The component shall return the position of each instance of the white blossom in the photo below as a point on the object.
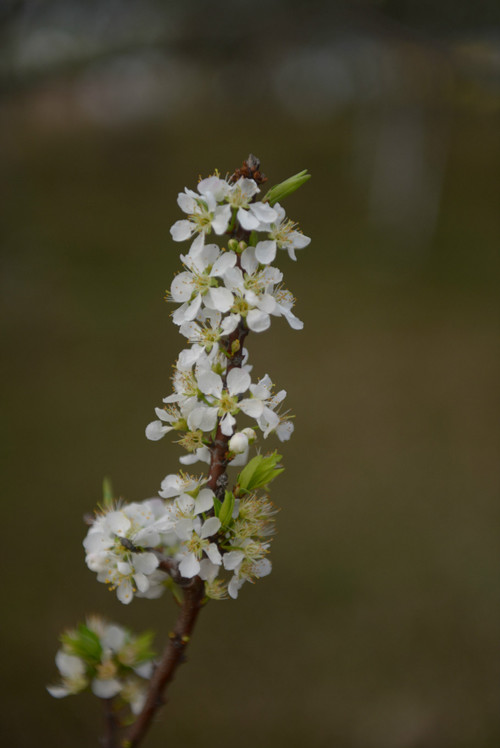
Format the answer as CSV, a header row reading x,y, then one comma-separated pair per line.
x,y
282,234
198,284
204,213
252,216
115,546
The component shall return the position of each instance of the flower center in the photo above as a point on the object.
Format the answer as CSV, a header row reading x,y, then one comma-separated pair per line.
x,y
227,403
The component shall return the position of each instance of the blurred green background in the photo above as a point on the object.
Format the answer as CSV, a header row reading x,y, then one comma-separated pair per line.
x,y
380,625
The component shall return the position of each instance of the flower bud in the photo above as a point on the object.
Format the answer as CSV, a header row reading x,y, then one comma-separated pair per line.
x,y
238,442
250,434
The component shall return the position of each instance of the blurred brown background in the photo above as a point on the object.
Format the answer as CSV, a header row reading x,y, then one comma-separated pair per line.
x,y
380,626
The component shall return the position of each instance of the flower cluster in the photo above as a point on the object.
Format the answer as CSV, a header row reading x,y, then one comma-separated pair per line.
x,y
202,536
222,292
134,547
106,658
196,527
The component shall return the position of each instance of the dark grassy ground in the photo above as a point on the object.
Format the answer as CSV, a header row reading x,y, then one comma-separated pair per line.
x,y
380,625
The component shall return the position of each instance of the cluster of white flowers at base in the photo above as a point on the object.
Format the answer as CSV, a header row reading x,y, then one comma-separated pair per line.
x,y
106,658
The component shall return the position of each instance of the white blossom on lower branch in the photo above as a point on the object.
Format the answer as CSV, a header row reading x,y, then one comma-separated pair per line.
x,y
107,659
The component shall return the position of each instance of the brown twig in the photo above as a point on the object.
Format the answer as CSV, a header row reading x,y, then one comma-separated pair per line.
x,y
172,657
110,736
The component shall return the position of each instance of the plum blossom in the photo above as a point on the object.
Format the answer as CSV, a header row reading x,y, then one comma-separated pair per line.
x,y
252,216
248,563
115,546
223,397
204,213
106,658
198,284
282,234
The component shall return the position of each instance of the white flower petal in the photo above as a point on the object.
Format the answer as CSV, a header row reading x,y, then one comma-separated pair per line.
x,y
232,559
209,383
192,309
184,529
210,527
234,587
189,566
114,637
249,262
252,407
217,186
221,219
125,592
182,287
230,323
181,230
213,554
204,500
227,424
68,665
106,689
267,303
145,562
262,567
284,431
141,582
58,692
247,220
118,523
220,299
156,430
238,381
265,252
208,570
186,203
223,263
294,322
258,321
197,245
264,212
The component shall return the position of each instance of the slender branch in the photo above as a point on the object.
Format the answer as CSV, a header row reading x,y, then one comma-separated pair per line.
x,y
172,657
109,739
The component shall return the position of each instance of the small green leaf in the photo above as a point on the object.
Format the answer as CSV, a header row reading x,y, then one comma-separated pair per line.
x,y
143,648
83,643
259,472
226,510
107,493
282,190
217,506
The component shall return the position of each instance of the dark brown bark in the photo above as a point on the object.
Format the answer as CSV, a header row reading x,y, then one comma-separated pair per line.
x,y
172,657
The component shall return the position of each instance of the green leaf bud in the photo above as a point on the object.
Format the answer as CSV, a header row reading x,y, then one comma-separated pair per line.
x,y
282,190
226,509
259,472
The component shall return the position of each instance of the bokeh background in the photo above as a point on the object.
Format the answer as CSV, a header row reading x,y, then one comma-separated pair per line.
x,y
380,626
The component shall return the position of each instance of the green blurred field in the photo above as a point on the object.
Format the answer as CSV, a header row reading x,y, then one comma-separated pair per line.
x,y
380,625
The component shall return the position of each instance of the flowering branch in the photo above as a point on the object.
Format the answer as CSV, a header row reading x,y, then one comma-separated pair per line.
x,y
199,539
